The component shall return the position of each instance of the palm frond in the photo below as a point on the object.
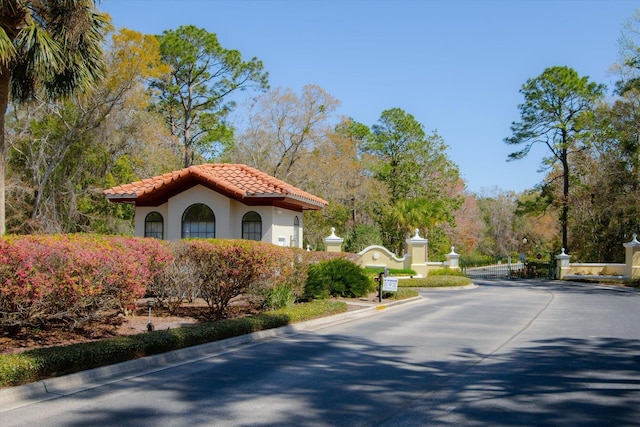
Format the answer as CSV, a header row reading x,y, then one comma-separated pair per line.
x,y
7,49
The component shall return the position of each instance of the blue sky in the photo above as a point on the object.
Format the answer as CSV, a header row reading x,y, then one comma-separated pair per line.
x,y
456,65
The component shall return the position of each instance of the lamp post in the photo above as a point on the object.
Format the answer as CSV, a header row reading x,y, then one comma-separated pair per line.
x,y
150,326
523,255
523,250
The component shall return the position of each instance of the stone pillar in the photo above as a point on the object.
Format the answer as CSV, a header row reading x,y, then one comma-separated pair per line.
x,y
562,264
333,243
453,259
417,247
632,258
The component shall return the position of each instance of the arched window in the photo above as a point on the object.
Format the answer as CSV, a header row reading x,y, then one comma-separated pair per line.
x,y
296,232
154,225
252,226
198,221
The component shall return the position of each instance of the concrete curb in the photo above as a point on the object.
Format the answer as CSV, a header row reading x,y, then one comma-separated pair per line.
x,y
15,397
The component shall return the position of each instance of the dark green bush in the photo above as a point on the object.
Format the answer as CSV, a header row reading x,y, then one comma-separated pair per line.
x,y
339,278
33,365
634,283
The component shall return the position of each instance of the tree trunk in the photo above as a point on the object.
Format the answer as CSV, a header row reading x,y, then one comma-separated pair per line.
x,y
564,216
5,80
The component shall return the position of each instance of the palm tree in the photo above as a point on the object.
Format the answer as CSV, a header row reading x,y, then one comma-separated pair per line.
x,y
49,47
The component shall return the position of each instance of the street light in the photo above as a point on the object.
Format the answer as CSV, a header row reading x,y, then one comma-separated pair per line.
x,y
150,326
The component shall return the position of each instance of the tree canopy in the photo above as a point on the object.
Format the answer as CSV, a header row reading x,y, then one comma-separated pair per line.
x,y
196,96
50,46
554,104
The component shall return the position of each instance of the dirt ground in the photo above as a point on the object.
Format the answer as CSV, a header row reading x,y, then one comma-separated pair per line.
x,y
188,313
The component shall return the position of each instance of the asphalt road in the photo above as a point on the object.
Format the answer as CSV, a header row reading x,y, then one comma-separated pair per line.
x,y
501,354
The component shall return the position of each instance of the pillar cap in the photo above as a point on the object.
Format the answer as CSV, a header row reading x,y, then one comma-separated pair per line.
x,y
633,243
416,238
563,255
332,237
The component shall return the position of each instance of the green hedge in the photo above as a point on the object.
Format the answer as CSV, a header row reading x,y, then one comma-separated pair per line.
x,y
33,365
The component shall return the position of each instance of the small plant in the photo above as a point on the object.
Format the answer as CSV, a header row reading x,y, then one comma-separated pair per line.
x,y
279,296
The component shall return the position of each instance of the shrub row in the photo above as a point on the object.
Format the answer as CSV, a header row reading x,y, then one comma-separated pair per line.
x,y
34,365
73,279
70,281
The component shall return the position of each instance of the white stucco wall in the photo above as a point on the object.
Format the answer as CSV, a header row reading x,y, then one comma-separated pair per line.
x,y
141,215
277,223
282,229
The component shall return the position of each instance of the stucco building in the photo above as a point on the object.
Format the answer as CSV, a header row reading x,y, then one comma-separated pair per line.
x,y
228,201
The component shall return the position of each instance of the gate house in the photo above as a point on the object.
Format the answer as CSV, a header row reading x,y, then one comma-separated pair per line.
x,y
228,201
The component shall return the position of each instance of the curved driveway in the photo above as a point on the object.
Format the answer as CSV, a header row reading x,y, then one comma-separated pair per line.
x,y
500,354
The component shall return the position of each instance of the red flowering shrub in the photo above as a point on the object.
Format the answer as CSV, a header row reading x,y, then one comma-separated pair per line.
x,y
73,279
226,269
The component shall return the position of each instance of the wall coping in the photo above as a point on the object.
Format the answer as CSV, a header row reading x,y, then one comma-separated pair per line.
x,y
384,250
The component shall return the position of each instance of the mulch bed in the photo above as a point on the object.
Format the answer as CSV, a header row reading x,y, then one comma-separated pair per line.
x,y
187,313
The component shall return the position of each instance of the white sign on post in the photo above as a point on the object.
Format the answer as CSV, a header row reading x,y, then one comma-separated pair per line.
x,y
390,284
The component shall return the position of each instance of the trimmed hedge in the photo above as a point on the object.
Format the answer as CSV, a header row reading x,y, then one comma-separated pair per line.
x,y
34,365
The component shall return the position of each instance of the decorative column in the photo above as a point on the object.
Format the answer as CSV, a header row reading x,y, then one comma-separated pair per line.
x,y
563,264
453,259
417,247
632,258
333,243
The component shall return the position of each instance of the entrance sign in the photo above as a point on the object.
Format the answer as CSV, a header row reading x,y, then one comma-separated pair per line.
x,y
390,284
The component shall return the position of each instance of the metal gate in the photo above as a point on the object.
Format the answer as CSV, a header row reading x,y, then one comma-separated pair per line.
x,y
509,270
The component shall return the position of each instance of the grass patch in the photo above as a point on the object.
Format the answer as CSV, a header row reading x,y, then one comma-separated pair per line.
x,y
435,282
374,271
400,294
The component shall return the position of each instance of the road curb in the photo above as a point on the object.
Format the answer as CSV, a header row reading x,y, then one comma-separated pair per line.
x,y
15,397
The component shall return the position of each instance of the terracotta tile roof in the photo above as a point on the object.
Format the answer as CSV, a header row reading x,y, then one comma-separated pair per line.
x,y
240,182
